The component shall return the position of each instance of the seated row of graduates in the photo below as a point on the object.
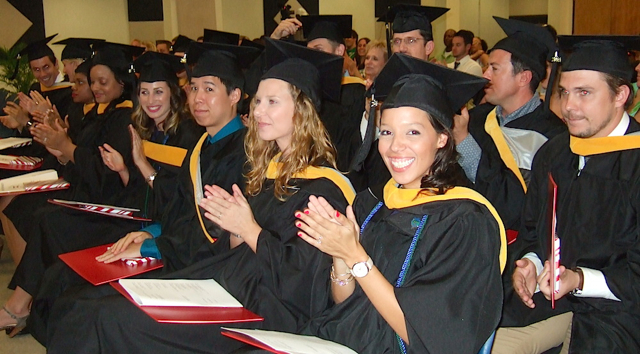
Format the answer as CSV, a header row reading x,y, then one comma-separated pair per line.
x,y
287,225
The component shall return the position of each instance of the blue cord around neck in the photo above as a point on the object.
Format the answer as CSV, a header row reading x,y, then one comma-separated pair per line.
x,y
407,259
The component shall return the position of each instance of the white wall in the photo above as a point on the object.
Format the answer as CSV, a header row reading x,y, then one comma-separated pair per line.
x,y
106,19
529,7
363,11
561,15
242,16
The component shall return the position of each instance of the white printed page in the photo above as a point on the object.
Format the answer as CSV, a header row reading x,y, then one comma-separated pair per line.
x,y
13,141
178,292
294,343
17,183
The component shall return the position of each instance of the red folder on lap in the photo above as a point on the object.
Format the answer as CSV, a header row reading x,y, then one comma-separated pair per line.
x,y
251,341
84,263
107,210
193,315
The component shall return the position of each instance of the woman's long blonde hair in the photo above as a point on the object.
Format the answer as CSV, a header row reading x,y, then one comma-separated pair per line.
x,y
145,125
310,146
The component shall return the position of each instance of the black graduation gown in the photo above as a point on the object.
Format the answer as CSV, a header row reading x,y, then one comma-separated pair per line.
x,y
598,223
286,281
451,296
494,180
183,240
88,230
343,119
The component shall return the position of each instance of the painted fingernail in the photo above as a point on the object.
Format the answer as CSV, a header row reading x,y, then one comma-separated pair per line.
x,y
337,214
298,215
300,234
298,224
306,211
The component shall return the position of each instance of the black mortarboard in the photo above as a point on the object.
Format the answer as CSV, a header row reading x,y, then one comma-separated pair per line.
x,y
34,50
223,61
250,43
77,48
220,37
407,18
181,44
115,55
317,74
531,43
606,54
154,66
332,27
410,82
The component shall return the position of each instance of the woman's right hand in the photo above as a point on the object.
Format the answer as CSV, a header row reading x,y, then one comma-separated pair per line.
x,y
112,158
137,150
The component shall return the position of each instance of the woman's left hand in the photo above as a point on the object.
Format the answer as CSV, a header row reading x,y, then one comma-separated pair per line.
x,y
231,212
339,238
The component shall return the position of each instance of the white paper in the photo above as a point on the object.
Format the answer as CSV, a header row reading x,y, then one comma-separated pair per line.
x,y
17,183
11,142
178,292
294,343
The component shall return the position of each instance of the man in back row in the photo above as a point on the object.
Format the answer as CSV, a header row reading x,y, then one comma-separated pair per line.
x,y
462,41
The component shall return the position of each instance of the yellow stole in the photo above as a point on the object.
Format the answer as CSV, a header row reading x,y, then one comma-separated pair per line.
x,y
56,86
492,127
312,172
194,168
398,198
171,155
596,146
352,80
124,104
87,108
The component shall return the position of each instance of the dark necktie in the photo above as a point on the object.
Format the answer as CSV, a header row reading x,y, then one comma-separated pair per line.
x,y
456,65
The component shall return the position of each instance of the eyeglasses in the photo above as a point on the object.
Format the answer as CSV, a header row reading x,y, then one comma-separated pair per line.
x,y
407,41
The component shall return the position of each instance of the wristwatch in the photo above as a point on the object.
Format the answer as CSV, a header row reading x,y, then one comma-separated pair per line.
x,y
578,290
361,269
151,177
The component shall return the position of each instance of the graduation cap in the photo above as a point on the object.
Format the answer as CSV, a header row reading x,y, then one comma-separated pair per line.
x,y
181,44
531,43
407,18
220,37
332,27
250,43
410,82
33,51
78,48
315,73
223,61
118,57
606,54
154,66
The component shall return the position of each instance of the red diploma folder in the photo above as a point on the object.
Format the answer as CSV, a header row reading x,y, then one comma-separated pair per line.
x,y
251,341
19,163
37,187
107,210
84,263
186,314
554,241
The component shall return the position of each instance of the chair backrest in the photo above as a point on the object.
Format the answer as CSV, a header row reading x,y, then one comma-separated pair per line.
x,y
486,348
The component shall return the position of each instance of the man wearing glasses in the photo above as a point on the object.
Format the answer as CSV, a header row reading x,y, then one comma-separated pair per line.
x,y
412,32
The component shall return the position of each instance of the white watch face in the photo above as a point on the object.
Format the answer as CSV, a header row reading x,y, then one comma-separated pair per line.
x,y
360,269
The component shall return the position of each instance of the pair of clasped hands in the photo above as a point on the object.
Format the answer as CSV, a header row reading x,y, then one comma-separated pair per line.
x,y
49,129
320,225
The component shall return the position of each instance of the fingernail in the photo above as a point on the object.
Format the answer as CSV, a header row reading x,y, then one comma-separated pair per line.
x,y
298,224
306,212
298,215
300,234
337,214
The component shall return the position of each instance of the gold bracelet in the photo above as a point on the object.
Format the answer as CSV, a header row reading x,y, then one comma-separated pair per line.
x,y
341,282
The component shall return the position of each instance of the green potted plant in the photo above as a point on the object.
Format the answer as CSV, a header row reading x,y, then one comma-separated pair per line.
x,y
24,79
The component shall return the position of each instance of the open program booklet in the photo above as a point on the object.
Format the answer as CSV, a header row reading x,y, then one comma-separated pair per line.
x,y
14,142
279,342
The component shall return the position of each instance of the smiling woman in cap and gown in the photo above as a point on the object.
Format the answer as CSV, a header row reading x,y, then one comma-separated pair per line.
x,y
416,269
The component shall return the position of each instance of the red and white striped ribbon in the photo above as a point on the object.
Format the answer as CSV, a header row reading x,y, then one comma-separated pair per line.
x,y
47,186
